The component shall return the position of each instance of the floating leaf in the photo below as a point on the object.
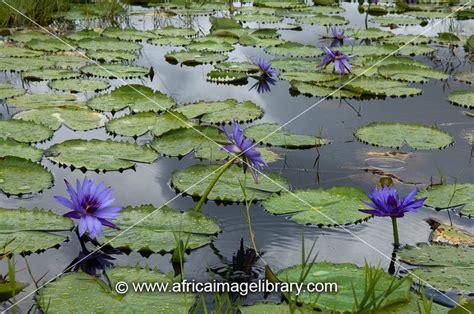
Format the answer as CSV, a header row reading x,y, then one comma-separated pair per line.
x,y
82,34
410,73
66,61
350,280
159,229
210,46
321,91
336,206
370,33
21,176
27,35
222,111
79,85
465,77
396,135
49,74
321,19
24,131
8,91
293,49
319,9
229,185
13,148
67,289
279,4
217,76
138,98
273,134
249,40
170,41
175,32
24,64
449,196
112,55
245,67
258,18
452,235
130,34
100,155
446,267
35,101
401,39
294,65
74,117
115,70
194,57
429,14
464,98
381,87
25,231
311,77
144,122
107,43
50,45
18,52
396,20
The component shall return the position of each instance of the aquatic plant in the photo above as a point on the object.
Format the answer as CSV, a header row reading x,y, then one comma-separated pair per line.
x,y
339,59
385,202
266,76
266,68
91,203
263,84
338,37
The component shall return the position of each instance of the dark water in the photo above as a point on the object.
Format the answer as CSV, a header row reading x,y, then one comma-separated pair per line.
x,y
337,164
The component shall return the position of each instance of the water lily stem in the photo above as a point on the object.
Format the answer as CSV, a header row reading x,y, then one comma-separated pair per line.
x,y
213,183
396,241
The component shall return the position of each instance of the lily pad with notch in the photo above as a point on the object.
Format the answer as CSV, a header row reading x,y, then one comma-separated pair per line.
x,y
112,55
115,70
107,43
79,85
20,176
447,196
24,131
321,19
8,91
35,101
13,148
410,73
293,49
463,98
24,64
193,58
50,74
51,44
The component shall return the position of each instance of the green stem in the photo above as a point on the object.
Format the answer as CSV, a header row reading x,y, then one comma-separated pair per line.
x,y
367,16
213,183
396,241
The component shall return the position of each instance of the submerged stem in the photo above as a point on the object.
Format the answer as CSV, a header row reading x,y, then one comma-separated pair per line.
x,y
211,186
395,232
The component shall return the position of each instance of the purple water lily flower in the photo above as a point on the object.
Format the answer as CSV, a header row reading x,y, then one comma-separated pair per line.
x,y
386,202
243,147
338,37
91,203
374,1
340,60
266,68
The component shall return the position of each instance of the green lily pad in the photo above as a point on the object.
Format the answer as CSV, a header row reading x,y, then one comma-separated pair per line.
x,y
159,229
444,267
210,46
448,38
35,101
396,20
107,43
217,39
249,40
130,34
26,231
279,4
50,74
170,41
370,33
229,77
396,135
319,9
115,70
99,155
293,49
336,206
261,307
381,87
258,18
8,91
429,14
464,98
229,186
311,77
112,55
414,50
350,279
144,122
224,111
50,45
65,291
22,150
321,91
410,73
24,131
66,61
401,39
465,77
21,176
321,19
369,50
74,117
27,35
194,57
18,52
138,98
24,64
282,137
175,32
294,65
243,67
449,196
79,85
82,34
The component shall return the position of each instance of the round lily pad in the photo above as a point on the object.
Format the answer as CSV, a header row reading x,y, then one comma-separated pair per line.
x,y
244,67
24,131
130,34
27,35
294,65
258,18
449,196
314,77
293,49
50,45
273,134
229,186
465,77
381,87
18,52
370,33
336,206
66,61
138,98
249,40
210,46
194,57
65,291
410,73
115,70
322,91
24,64
464,98
79,85
99,155
227,77
396,135
322,20
112,55
159,228
350,280
21,176
170,41
8,91
82,34
107,43
175,32
35,101
74,117
401,39
50,74
25,231
396,20
224,111
23,150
